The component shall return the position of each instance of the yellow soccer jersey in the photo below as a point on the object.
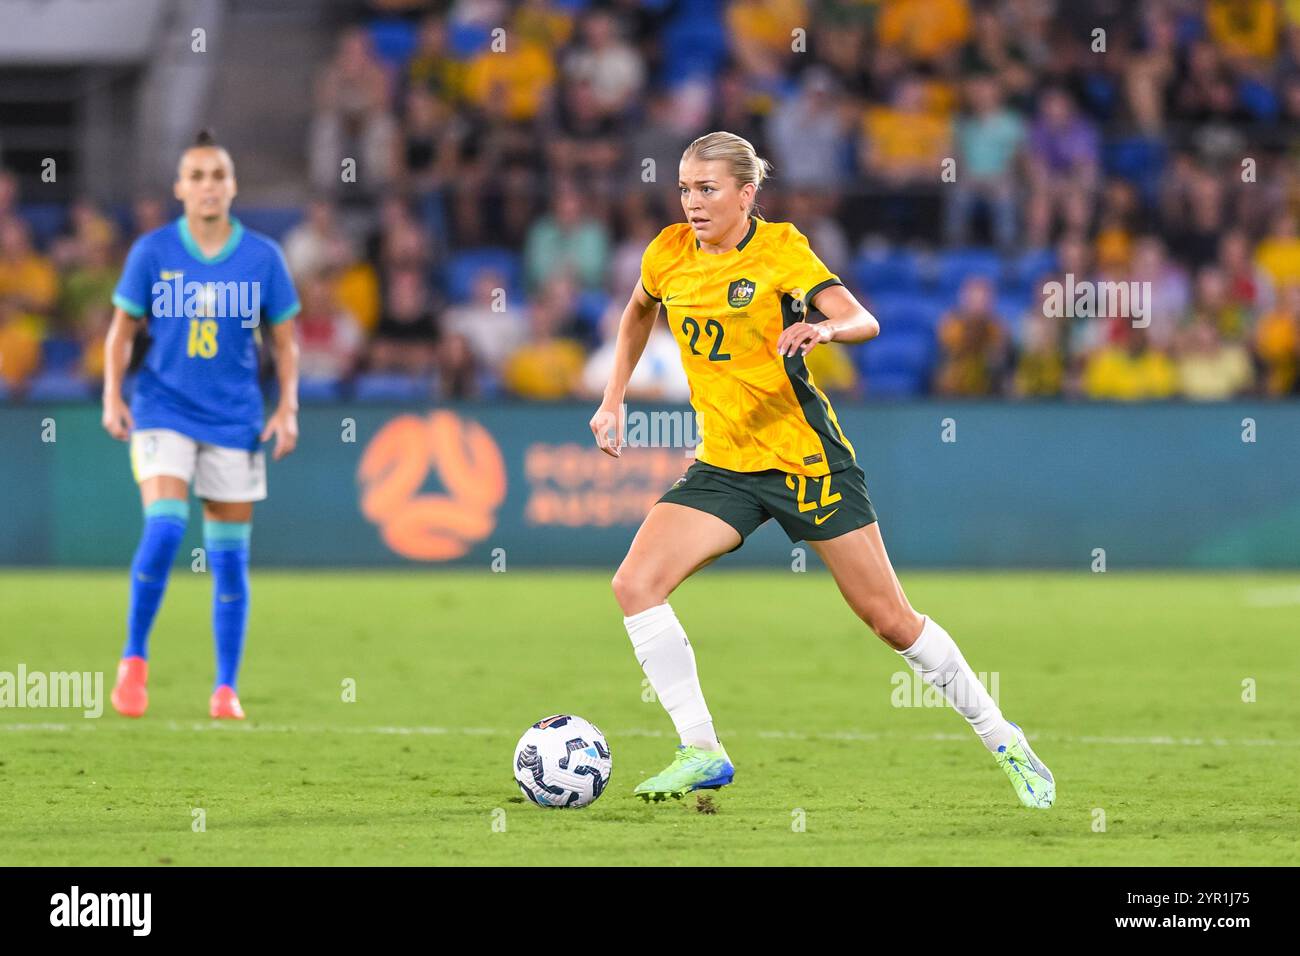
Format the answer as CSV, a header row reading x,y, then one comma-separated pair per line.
x,y
754,409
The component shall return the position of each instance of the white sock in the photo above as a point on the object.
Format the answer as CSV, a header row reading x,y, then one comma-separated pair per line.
x,y
935,657
668,660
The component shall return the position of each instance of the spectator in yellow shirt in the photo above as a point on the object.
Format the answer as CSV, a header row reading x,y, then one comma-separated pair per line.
x,y
27,278
903,143
973,344
519,78
549,365
1129,370
1210,369
20,345
1277,343
1243,28
1040,366
761,32
1279,254
926,30
432,68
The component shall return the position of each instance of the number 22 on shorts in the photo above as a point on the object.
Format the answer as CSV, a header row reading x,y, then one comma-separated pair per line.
x,y
801,488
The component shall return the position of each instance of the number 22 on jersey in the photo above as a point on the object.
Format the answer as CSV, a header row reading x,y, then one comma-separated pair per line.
x,y
713,329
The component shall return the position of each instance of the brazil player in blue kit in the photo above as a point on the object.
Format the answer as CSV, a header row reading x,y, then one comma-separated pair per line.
x,y
206,287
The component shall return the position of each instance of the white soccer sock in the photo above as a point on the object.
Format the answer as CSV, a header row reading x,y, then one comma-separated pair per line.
x,y
935,657
668,660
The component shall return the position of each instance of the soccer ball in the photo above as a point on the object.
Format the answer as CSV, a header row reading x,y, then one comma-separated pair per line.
x,y
562,761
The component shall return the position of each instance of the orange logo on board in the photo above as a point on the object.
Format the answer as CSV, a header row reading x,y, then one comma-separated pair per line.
x,y
432,526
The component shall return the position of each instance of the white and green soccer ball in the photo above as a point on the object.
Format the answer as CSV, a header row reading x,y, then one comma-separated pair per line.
x,y
563,761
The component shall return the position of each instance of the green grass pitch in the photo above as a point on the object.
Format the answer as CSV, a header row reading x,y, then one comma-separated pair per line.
x,y
1130,686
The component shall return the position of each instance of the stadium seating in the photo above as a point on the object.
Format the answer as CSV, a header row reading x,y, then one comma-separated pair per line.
x,y
59,355
694,42
897,270
394,41
388,387
895,385
955,266
591,306
1139,160
466,39
319,390
273,221
46,219
58,385
464,267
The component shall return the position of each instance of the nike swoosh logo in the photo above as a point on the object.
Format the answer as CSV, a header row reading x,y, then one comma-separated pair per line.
x,y
824,517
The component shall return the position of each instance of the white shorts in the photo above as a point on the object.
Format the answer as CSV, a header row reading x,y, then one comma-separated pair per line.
x,y
218,474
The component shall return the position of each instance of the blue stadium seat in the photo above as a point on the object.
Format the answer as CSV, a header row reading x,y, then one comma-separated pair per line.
x,y
1101,95
905,322
463,268
908,308
273,221
58,386
465,40
1258,99
957,265
694,42
895,271
1139,160
1029,267
47,220
490,385
895,385
319,390
897,352
58,355
393,40
1011,309
591,306
389,387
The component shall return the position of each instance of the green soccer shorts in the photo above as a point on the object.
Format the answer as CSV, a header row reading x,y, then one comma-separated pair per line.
x,y
808,509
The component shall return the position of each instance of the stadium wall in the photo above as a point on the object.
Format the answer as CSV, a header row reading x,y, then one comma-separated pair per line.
x,y
956,485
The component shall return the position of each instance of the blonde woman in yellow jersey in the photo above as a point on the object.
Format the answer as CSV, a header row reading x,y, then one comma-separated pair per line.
x,y
738,293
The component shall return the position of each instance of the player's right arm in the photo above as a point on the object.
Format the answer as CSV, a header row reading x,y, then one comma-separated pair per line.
x,y
633,332
130,305
117,356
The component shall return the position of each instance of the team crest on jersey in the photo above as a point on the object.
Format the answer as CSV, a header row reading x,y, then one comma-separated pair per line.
x,y
740,293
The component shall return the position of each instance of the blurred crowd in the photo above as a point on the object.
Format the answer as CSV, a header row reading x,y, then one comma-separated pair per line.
x,y
481,197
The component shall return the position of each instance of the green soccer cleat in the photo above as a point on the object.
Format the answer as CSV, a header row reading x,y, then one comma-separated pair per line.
x,y
691,769
1033,782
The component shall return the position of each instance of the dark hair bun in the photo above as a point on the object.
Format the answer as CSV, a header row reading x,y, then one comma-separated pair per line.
x,y
205,138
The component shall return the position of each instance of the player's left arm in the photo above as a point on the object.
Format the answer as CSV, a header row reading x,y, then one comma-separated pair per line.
x,y
280,305
283,424
845,321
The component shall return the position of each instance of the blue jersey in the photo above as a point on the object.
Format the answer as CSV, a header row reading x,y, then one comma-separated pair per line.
x,y
200,375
